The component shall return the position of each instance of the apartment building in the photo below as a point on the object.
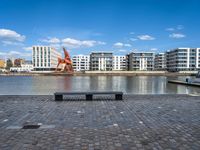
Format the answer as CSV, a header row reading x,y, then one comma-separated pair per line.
x,y
2,63
44,58
143,61
81,62
119,63
183,59
160,61
102,61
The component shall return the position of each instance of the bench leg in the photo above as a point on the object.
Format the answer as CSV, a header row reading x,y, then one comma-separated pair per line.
x,y
58,97
118,97
89,96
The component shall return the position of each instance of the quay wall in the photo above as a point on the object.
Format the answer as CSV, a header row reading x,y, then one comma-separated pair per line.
x,y
112,73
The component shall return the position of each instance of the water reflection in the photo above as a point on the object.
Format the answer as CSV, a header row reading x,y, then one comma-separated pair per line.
x,y
146,84
27,85
82,83
101,83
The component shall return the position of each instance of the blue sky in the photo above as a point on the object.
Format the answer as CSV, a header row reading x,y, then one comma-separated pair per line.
x,y
83,26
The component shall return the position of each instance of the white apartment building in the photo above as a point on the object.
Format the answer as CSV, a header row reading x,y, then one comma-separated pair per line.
x,y
81,62
23,68
143,61
101,61
45,58
119,62
160,61
183,59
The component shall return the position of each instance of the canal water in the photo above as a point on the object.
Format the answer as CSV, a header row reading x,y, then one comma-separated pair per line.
x,y
37,85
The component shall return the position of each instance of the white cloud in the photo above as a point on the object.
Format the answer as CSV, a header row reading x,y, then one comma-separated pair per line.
x,y
56,46
15,54
5,43
133,39
122,50
170,29
153,49
74,43
2,54
27,48
25,54
120,45
132,33
146,37
180,27
101,43
177,35
71,43
10,35
134,50
127,45
51,40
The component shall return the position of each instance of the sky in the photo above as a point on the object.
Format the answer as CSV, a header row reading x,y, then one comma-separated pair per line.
x,y
82,26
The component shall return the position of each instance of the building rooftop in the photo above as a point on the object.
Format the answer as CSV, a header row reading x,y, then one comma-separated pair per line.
x,y
101,52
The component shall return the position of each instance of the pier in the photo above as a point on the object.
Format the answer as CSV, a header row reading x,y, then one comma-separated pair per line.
x,y
184,83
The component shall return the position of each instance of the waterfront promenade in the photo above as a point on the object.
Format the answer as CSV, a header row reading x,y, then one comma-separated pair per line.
x,y
137,122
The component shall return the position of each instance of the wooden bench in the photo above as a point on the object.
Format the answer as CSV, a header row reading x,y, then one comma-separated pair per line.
x,y
89,95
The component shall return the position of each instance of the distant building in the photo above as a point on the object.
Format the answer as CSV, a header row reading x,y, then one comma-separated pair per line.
x,y
23,68
119,63
18,62
2,63
102,61
160,61
81,62
44,58
183,59
141,61
9,63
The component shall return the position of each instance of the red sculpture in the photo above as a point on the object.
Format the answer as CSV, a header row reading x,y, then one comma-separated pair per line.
x,y
66,62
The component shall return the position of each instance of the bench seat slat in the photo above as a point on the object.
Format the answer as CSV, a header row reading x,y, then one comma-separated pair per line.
x,y
83,93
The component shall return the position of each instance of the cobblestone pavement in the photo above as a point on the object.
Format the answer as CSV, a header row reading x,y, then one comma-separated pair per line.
x,y
137,122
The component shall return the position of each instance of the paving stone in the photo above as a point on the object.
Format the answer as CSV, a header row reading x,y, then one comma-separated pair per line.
x,y
137,122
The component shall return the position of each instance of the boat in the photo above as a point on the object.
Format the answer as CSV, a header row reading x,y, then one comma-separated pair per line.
x,y
197,79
